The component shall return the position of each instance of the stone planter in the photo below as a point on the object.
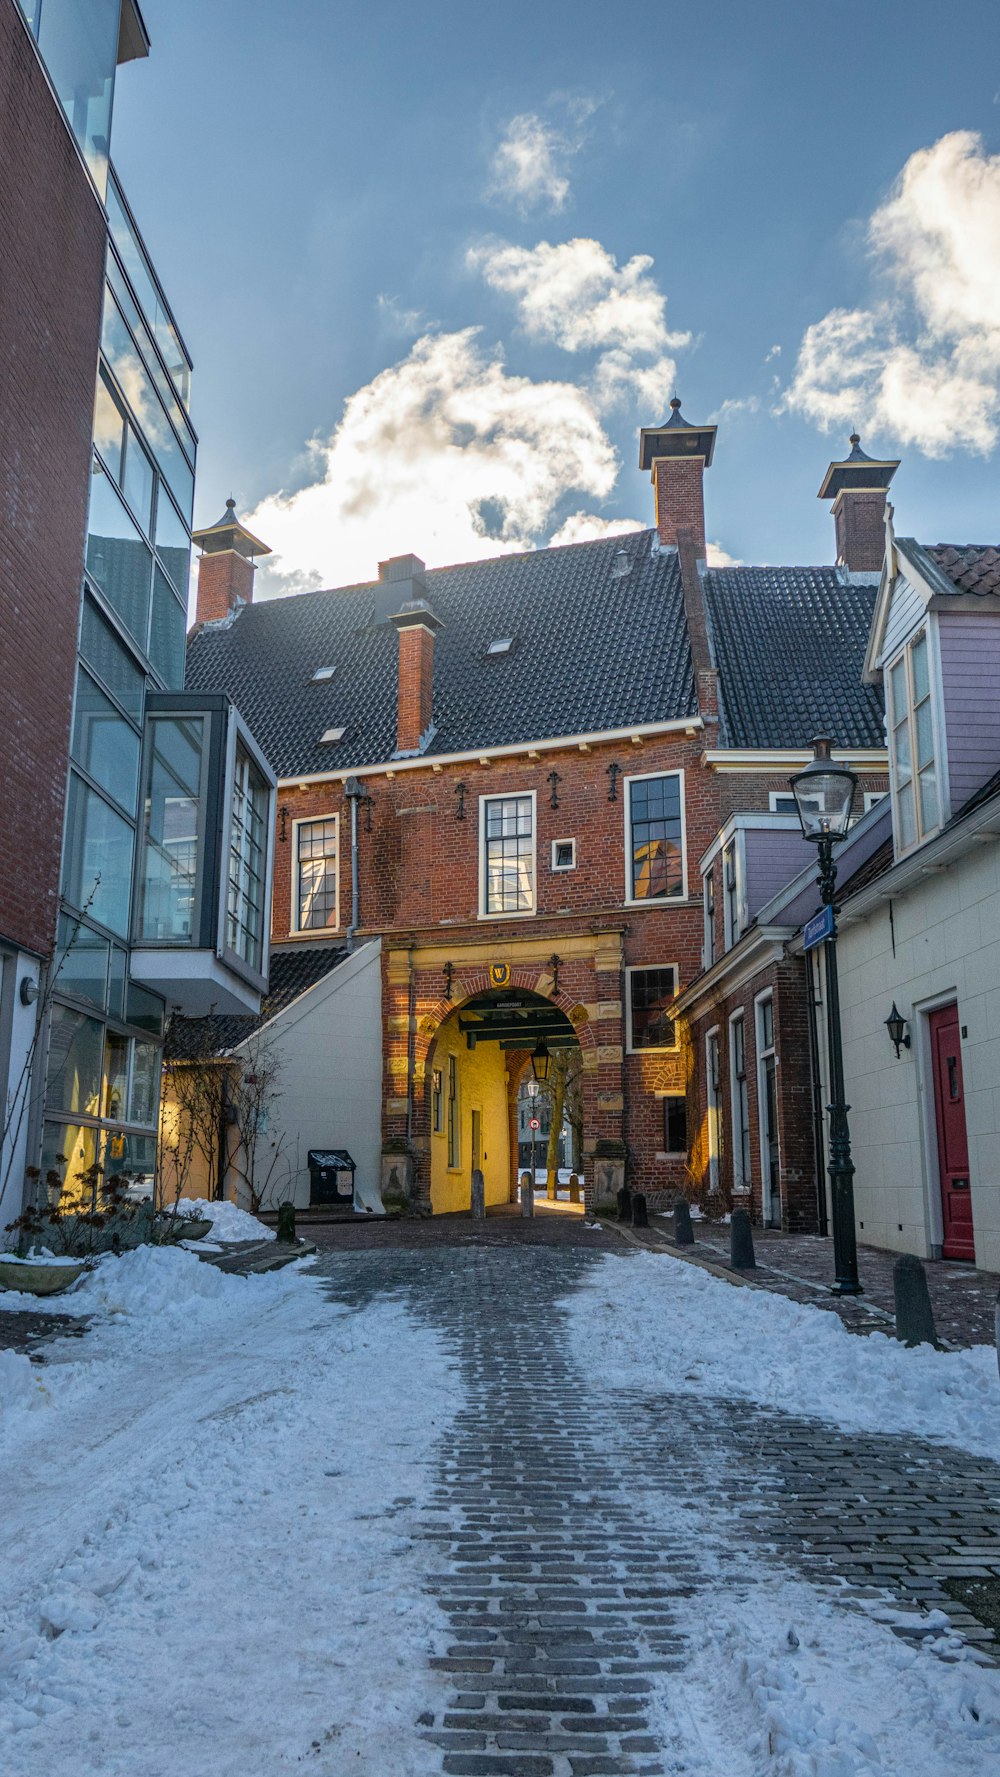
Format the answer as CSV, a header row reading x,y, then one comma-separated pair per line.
x,y
39,1280
195,1228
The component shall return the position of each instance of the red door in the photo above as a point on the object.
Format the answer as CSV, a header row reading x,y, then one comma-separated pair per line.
x,y
953,1145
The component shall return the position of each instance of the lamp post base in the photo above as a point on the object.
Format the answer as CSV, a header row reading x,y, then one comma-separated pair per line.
x,y
846,1289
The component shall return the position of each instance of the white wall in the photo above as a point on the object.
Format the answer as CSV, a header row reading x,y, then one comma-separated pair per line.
x,y
17,1079
947,947
329,1042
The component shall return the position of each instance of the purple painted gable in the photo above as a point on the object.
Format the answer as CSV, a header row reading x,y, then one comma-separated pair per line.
x,y
970,684
773,858
859,846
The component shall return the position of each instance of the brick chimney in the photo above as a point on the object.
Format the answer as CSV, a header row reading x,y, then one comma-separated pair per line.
x,y
858,486
227,567
402,580
677,456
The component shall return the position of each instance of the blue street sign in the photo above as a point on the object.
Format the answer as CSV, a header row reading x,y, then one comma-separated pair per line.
x,y
816,929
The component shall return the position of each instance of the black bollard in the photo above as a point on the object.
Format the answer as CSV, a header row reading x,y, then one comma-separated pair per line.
x,y
286,1223
914,1314
624,1204
741,1253
683,1231
639,1217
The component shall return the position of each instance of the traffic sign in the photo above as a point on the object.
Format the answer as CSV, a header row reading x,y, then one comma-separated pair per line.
x,y
535,1123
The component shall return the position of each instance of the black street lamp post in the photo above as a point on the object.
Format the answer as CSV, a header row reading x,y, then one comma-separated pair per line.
x,y
824,797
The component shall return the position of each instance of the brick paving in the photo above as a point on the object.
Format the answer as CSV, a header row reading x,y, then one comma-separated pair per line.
x,y
557,1544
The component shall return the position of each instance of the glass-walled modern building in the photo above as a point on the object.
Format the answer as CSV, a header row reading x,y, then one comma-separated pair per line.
x,y
168,833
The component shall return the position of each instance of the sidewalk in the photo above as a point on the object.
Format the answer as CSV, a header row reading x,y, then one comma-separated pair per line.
x,y
800,1266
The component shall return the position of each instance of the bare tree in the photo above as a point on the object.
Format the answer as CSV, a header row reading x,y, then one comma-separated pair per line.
x,y
196,1093
565,1072
258,1156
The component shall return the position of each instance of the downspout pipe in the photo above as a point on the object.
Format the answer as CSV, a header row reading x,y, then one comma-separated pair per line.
x,y
354,792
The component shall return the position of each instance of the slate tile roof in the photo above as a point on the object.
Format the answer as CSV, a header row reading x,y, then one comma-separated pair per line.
x,y
592,652
789,644
972,567
292,971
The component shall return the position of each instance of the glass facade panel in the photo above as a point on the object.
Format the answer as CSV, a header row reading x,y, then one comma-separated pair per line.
x,y
116,982
146,1058
657,868
109,661
118,560
143,280
316,898
97,862
76,1044
173,542
171,846
136,384
247,862
144,1010
109,428
509,843
139,481
115,1092
104,744
68,1149
79,45
652,993
83,962
167,629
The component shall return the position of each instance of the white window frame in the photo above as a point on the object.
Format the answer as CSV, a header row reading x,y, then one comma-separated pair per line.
x,y
733,909
508,796
742,1186
647,1048
904,655
776,796
294,928
452,1115
872,797
655,900
560,868
761,1000
713,1105
708,917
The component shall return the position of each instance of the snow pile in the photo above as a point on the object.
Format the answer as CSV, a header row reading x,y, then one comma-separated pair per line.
x,y
153,1280
813,1689
19,1386
726,1340
209,1553
228,1222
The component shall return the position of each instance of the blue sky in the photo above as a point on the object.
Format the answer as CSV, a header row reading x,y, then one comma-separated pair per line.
x,y
622,201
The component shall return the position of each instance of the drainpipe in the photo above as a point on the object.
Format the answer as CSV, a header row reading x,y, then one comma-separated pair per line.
x,y
813,1004
354,792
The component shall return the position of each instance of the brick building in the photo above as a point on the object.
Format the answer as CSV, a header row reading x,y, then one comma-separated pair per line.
x,y
507,775
104,896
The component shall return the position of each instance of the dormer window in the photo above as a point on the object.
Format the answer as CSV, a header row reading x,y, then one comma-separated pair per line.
x,y
913,753
322,674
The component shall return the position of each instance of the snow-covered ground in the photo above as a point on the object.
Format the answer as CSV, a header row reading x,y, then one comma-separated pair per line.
x,y
229,1223
663,1324
206,1555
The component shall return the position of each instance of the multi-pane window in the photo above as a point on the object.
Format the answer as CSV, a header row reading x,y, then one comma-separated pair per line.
x,y
914,765
655,838
247,862
508,852
740,1104
708,949
172,830
675,1123
731,895
315,907
454,1130
714,1121
436,1098
651,993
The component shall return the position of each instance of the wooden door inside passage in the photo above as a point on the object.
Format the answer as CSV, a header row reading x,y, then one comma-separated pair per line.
x,y
952,1138
772,1163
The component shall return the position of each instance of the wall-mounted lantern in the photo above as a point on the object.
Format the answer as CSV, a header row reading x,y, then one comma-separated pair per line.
x,y
540,1061
895,1024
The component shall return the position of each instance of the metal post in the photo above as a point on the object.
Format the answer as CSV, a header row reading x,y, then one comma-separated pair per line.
x,y
841,1166
532,1160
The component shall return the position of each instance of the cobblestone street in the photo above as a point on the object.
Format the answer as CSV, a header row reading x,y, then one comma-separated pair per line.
x,y
571,1533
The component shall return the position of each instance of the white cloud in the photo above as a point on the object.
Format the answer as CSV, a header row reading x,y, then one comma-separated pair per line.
x,y
717,557
575,295
529,162
585,527
775,352
445,455
923,363
397,320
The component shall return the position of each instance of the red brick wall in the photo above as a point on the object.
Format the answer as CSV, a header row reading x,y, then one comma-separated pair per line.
x,y
678,485
52,242
225,580
416,669
860,523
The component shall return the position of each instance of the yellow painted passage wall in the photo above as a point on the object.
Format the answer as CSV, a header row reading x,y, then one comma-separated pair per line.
x,y
481,1080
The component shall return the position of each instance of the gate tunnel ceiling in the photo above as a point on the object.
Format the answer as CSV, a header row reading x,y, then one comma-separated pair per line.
x,y
516,1020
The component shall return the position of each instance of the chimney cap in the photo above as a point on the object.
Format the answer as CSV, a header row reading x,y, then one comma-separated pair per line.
x,y
857,472
676,438
228,533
